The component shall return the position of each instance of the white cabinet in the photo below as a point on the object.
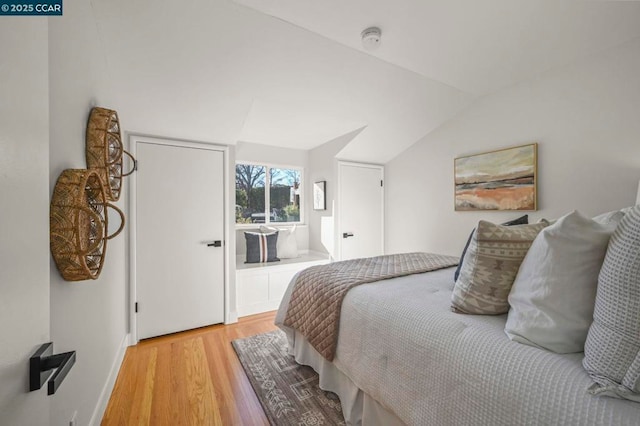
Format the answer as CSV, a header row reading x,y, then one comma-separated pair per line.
x,y
255,289
260,286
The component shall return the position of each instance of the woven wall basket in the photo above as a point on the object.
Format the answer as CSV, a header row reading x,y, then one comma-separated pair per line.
x,y
104,150
78,224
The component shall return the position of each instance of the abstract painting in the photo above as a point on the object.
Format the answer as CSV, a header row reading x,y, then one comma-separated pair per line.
x,y
497,180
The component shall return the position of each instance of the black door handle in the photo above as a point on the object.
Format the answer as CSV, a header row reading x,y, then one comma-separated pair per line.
x,y
43,362
347,234
216,243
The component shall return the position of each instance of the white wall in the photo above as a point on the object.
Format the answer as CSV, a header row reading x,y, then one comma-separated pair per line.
x,y
89,317
258,153
323,167
585,119
24,215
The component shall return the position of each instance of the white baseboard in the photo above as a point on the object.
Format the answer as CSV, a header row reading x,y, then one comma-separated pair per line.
x,y
258,308
101,406
233,317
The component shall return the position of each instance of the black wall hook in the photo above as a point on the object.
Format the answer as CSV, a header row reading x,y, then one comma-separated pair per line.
x,y
41,364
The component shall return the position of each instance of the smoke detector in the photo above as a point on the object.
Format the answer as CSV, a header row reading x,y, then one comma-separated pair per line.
x,y
371,38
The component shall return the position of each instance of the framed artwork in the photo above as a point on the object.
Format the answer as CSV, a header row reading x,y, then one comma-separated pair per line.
x,y
498,180
319,195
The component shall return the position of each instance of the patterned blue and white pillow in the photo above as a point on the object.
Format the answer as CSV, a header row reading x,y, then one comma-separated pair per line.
x,y
261,247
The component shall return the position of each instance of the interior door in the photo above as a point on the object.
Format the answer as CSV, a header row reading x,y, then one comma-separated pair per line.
x,y
360,210
24,218
179,258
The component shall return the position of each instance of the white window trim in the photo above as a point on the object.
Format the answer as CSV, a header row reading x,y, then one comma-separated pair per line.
x,y
267,193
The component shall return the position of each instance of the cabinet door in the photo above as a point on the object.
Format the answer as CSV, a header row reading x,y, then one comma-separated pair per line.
x,y
278,282
252,289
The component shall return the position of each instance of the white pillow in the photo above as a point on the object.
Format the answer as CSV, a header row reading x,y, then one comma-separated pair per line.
x,y
612,352
610,217
287,246
553,296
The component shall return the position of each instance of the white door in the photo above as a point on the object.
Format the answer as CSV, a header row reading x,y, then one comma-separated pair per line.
x,y
179,213
360,210
24,219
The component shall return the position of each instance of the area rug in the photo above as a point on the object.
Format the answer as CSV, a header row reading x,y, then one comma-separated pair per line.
x,y
288,392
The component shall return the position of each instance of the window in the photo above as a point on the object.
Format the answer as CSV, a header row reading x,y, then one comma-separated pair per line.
x,y
280,204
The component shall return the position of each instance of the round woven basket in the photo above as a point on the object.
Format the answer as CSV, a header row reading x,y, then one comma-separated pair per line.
x,y
104,150
78,224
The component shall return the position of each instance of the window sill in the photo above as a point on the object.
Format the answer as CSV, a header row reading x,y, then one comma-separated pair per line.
x,y
272,224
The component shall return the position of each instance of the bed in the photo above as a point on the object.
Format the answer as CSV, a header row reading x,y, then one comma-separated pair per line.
x,y
404,358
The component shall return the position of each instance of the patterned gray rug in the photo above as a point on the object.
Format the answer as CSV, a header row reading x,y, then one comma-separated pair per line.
x,y
288,392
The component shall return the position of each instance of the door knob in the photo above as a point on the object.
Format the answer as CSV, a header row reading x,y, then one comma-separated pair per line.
x,y
216,243
347,234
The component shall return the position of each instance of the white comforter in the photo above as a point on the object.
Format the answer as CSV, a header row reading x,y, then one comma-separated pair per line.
x,y
402,346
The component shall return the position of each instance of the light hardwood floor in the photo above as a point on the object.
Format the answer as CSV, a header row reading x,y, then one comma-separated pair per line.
x,y
190,378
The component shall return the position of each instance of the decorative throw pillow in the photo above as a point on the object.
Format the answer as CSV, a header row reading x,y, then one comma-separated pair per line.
x,y
490,266
522,220
612,350
609,217
287,243
261,247
554,292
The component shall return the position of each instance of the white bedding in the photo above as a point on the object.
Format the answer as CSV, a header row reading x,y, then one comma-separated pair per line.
x,y
401,346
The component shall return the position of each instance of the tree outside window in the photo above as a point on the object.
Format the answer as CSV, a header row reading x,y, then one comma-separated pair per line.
x,y
280,204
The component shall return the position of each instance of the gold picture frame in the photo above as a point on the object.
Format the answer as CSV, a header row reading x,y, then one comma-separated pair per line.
x,y
504,179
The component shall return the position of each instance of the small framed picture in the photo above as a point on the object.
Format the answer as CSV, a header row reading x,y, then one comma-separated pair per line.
x,y
319,196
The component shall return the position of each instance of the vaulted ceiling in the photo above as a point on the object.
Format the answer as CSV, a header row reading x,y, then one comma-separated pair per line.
x,y
293,73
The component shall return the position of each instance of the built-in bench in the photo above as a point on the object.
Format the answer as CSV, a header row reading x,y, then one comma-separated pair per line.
x,y
260,286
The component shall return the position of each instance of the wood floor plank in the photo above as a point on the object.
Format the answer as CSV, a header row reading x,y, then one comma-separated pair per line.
x,y
203,405
179,408
233,381
161,399
118,409
189,378
143,394
221,381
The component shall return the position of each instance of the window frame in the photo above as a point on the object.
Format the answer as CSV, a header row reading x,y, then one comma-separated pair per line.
x,y
267,194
